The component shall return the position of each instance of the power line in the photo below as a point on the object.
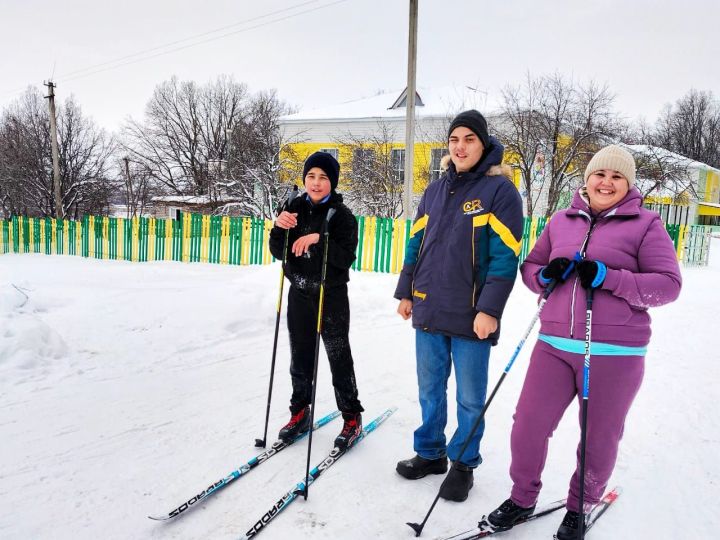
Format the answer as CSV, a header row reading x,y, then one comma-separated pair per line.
x,y
113,64
189,38
69,78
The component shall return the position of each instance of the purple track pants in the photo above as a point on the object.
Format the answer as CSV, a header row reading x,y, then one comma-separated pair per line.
x,y
553,380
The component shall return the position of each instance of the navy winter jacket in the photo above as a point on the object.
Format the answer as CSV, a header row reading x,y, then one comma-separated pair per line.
x,y
462,255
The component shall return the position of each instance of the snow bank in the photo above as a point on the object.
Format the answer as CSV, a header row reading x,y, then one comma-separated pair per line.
x,y
126,387
28,346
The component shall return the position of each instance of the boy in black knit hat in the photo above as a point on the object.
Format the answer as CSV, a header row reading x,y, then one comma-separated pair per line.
x,y
304,221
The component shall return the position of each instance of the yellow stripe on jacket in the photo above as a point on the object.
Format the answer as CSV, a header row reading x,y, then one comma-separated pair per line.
x,y
500,229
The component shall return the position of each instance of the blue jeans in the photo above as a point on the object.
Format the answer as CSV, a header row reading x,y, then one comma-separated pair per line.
x,y
435,352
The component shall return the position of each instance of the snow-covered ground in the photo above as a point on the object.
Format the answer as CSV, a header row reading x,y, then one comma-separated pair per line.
x,y
125,388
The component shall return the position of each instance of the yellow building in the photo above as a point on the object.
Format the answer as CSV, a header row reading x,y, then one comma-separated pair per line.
x,y
380,119
379,122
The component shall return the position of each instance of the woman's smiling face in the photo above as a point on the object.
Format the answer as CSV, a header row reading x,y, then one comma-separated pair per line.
x,y
606,188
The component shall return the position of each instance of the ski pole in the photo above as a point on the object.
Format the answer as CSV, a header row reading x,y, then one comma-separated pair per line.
x,y
583,424
418,527
260,443
321,300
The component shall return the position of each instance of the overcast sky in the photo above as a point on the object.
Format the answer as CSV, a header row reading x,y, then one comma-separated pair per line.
x,y
650,52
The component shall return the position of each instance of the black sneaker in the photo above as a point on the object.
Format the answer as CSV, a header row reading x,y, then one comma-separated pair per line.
x,y
419,467
569,528
458,483
507,515
299,423
350,432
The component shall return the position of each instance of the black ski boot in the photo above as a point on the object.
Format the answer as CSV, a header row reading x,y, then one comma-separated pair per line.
x,y
419,467
507,514
458,483
569,527
350,432
299,423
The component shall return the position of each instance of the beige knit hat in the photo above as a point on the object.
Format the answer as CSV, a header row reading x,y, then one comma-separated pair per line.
x,y
615,158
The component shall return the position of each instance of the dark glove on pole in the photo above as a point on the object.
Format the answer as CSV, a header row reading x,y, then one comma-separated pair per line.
x,y
555,270
591,273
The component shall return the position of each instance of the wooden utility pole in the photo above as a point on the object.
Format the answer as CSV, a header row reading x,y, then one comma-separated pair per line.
x,y
410,112
130,197
59,214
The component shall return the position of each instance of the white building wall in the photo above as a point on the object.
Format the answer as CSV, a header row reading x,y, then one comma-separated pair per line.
x,y
322,131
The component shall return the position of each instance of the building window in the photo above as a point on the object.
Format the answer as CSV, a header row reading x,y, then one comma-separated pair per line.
x,y
436,155
332,151
397,164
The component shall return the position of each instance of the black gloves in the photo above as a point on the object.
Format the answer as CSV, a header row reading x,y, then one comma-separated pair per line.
x,y
591,273
554,270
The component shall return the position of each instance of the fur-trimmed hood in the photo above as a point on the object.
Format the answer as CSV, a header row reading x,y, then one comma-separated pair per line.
x,y
496,170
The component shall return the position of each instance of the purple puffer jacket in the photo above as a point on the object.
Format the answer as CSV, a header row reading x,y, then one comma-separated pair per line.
x,y
642,270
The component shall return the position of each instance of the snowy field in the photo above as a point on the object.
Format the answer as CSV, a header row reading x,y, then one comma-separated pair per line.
x,y
126,388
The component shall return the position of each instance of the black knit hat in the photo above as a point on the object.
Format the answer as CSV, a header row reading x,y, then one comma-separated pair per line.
x,y
327,163
475,122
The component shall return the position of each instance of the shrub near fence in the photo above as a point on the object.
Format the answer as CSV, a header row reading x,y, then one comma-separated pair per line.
x,y
225,240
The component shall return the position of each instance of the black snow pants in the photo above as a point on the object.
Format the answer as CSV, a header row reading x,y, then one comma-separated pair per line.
x,y
302,325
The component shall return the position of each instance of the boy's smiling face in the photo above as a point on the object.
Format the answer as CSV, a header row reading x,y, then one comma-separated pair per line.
x,y
317,184
465,148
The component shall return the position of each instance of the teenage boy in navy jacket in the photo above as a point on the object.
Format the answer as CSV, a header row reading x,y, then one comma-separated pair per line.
x,y
460,266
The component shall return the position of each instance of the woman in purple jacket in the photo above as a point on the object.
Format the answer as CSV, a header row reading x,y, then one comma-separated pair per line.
x,y
629,261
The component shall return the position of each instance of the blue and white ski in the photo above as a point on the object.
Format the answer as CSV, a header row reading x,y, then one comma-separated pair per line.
x,y
299,488
213,488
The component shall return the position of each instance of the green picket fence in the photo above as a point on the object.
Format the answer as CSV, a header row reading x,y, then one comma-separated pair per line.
x,y
225,240
193,238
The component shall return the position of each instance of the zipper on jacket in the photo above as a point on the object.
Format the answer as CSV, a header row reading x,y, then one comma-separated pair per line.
x,y
583,249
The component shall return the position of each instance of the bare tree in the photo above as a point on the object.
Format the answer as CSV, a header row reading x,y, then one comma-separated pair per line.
x,y
85,152
261,165
550,126
25,145
137,187
658,170
26,180
374,169
662,171
692,127
185,127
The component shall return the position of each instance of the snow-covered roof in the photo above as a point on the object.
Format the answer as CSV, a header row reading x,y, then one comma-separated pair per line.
x,y
649,150
191,199
436,102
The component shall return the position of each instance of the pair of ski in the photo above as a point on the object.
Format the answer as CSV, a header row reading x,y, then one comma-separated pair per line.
x,y
297,490
485,529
